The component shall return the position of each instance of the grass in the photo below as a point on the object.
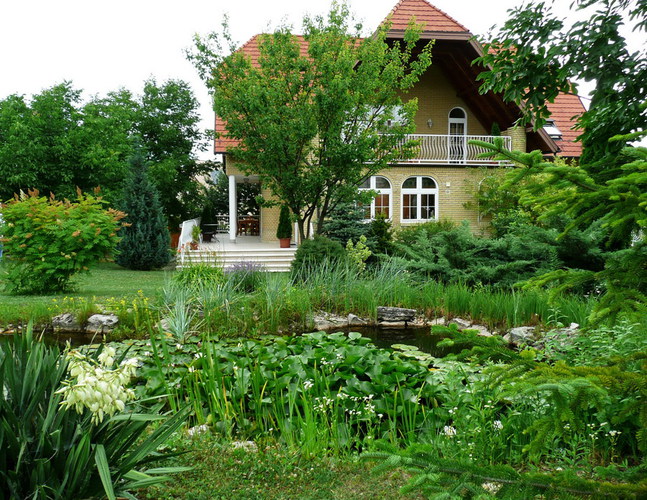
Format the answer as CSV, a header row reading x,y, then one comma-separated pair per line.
x,y
278,306
106,280
220,472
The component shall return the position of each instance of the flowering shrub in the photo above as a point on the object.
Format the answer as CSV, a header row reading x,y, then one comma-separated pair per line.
x,y
358,253
49,453
96,385
246,276
47,241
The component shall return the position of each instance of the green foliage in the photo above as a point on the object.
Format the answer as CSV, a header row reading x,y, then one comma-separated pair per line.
x,y
459,256
609,185
473,347
618,206
145,241
54,143
312,125
535,55
49,241
443,478
198,276
246,277
345,222
284,229
605,403
358,253
49,452
409,235
315,391
380,236
316,252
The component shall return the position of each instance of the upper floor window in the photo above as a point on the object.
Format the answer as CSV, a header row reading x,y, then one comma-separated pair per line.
x,y
419,199
381,204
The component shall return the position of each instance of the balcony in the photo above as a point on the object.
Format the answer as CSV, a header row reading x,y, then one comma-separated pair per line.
x,y
455,149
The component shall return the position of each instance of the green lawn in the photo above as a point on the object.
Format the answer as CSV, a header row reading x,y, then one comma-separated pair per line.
x,y
272,473
104,281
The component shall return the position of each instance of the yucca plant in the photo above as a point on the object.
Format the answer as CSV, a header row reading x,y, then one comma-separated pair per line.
x,y
49,452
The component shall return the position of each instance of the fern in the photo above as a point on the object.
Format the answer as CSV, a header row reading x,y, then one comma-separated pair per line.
x,y
576,395
438,477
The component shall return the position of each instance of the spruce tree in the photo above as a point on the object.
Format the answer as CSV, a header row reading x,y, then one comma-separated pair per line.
x,y
145,244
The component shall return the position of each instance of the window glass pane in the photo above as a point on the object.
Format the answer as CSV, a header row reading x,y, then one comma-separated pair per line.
x,y
410,206
365,185
410,183
427,210
428,182
382,183
457,113
382,205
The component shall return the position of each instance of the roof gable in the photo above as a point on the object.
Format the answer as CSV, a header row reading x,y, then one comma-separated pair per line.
x,y
434,21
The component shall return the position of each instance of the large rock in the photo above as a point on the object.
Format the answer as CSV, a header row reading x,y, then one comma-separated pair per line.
x,y
354,320
482,330
101,323
325,321
520,335
66,322
460,323
395,314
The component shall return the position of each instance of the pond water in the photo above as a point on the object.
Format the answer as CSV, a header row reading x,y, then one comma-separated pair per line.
x,y
419,337
383,337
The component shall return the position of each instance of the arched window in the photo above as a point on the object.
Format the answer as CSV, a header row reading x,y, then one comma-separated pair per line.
x,y
381,204
419,199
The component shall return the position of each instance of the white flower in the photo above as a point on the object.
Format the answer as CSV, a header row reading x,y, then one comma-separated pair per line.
x,y
93,385
307,385
497,425
449,430
491,488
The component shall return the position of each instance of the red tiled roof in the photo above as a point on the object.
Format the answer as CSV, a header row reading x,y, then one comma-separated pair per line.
x,y
565,107
432,18
563,111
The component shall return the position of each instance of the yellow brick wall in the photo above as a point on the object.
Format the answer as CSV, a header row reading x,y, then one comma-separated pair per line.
x,y
436,98
456,187
518,135
269,218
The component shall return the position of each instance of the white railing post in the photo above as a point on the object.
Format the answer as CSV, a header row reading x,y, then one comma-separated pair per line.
x,y
233,209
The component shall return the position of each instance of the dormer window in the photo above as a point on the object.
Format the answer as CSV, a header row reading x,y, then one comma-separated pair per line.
x,y
552,130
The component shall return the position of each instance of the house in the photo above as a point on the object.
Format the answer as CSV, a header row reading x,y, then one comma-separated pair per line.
x,y
441,179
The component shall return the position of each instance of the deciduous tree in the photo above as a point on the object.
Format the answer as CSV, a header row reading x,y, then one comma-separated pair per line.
x,y
314,123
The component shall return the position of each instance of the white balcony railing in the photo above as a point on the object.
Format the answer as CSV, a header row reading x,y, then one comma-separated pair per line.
x,y
454,149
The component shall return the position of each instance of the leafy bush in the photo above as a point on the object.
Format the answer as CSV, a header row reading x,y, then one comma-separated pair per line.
x,y
198,276
284,229
47,241
409,235
346,222
336,389
145,242
379,236
457,255
50,452
316,252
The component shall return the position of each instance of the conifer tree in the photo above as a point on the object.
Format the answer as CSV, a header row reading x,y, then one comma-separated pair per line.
x,y
145,243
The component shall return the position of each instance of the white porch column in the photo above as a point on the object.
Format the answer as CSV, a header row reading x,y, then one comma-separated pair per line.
x,y
233,209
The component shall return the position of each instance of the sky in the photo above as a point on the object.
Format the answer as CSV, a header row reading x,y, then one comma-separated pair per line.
x,y
103,46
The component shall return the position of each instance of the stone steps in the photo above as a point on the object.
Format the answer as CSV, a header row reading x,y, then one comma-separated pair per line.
x,y
273,260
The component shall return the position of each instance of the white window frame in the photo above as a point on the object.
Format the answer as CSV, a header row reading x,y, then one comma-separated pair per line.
x,y
380,191
418,191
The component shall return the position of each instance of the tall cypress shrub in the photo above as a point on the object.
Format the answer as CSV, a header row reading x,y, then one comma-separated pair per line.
x,y
145,244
